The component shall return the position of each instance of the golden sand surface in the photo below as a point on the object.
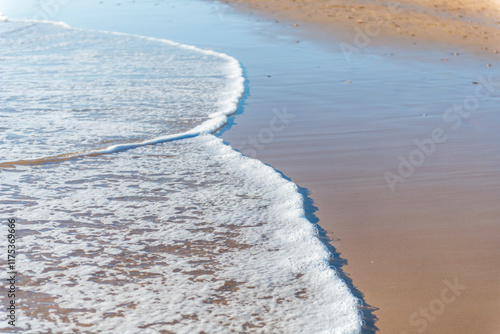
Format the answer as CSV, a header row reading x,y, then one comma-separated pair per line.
x,y
463,23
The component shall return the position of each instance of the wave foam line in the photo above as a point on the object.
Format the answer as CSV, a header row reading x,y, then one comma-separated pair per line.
x,y
210,126
228,104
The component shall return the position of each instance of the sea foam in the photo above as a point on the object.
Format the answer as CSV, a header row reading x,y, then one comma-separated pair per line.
x,y
85,90
182,236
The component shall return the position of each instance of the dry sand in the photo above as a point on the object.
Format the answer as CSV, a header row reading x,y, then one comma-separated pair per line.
x,y
466,23
441,227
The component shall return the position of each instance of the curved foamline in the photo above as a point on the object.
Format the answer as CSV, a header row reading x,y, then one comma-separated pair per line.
x,y
216,125
215,122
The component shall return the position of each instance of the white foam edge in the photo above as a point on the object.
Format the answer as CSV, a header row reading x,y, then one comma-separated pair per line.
x,y
217,120
301,231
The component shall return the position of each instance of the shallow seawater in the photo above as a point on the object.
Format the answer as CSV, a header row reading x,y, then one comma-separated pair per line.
x,y
67,89
182,236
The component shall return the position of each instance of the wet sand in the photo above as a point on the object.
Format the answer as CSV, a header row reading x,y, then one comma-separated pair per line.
x,y
350,123
426,255
440,224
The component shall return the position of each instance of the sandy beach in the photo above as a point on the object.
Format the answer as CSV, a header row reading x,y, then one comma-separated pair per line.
x,y
391,134
426,255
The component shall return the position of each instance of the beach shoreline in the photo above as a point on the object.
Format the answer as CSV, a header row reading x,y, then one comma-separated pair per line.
x,y
346,124
168,215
